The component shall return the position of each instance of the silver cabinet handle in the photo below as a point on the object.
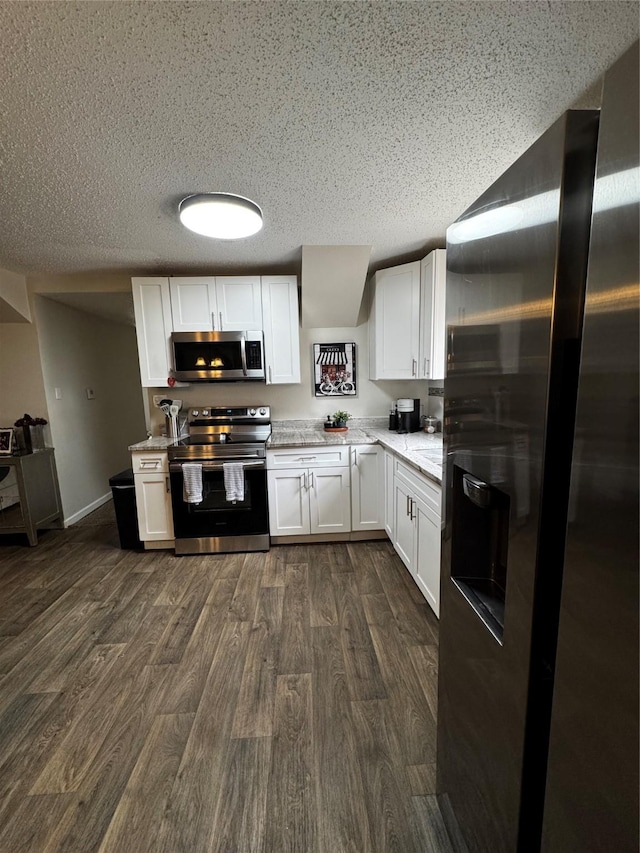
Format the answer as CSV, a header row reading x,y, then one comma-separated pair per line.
x,y
355,458
311,479
303,480
213,321
221,323
408,499
426,368
414,366
270,379
411,503
149,463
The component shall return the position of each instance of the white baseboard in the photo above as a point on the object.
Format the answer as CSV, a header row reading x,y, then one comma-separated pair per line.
x,y
72,519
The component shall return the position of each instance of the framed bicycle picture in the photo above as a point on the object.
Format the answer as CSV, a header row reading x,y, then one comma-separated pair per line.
x,y
334,370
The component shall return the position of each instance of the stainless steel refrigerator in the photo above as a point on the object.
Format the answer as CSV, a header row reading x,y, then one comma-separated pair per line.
x,y
538,696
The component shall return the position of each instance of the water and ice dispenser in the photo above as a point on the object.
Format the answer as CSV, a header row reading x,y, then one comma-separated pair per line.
x,y
479,545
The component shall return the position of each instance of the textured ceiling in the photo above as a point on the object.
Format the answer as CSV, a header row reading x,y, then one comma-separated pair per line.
x,y
349,123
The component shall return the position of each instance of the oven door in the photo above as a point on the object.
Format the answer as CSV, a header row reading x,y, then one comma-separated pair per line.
x,y
217,525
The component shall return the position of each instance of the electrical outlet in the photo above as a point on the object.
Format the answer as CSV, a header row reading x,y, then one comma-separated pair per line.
x,y
90,394
157,398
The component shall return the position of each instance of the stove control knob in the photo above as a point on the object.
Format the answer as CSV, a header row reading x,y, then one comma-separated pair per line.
x,y
194,413
252,412
263,412
205,413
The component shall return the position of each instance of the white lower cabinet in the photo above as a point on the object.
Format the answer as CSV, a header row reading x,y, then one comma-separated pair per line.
x,y
367,487
309,500
153,496
416,534
389,494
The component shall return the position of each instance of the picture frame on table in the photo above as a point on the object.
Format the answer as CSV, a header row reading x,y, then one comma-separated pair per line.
x,y
6,441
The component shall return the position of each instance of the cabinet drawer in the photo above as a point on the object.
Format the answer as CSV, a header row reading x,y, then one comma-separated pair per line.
x,y
309,457
145,461
430,493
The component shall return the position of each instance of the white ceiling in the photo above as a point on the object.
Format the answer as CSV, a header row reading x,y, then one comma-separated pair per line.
x,y
350,123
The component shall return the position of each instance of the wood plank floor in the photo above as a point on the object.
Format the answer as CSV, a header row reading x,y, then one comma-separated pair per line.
x,y
232,703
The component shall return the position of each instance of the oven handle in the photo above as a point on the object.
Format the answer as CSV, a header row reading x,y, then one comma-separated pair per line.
x,y
217,466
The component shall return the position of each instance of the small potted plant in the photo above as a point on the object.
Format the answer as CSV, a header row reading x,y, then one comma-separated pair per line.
x,y
340,419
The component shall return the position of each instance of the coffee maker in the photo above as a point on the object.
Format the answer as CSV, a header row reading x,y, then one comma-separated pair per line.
x,y
408,415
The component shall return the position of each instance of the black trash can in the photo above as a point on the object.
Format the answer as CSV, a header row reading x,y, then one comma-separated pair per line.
x,y
124,504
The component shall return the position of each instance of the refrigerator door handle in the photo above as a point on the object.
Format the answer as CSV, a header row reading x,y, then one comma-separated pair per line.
x,y
478,492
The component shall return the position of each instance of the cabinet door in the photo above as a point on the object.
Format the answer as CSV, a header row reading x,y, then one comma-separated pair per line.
x,y
389,494
396,322
329,500
433,272
288,502
281,329
152,309
153,499
404,527
193,304
428,555
239,302
367,487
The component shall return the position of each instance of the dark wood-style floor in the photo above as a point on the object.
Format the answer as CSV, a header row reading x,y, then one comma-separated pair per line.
x,y
262,702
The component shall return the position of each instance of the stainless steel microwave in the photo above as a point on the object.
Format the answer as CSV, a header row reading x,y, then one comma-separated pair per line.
x,y
218,356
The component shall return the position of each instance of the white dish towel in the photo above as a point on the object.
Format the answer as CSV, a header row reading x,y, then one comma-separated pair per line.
x,y
192,482
233,480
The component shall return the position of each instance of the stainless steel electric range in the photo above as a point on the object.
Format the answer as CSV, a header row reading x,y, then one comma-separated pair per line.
x,y
220,436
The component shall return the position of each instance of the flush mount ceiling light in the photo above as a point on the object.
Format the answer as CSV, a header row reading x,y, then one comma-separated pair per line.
x,y
221,215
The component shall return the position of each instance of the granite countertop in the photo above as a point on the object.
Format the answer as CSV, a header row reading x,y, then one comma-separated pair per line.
x,y
419,449
158,442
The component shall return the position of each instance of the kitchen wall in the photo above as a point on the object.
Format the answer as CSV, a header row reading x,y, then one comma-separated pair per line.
x,y
21,382
298,401
14,298
91,436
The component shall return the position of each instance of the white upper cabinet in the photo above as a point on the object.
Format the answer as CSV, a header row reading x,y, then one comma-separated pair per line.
x,y
216,303
433,275
394,322
281,329
239,303
407,323
193,303
152,308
